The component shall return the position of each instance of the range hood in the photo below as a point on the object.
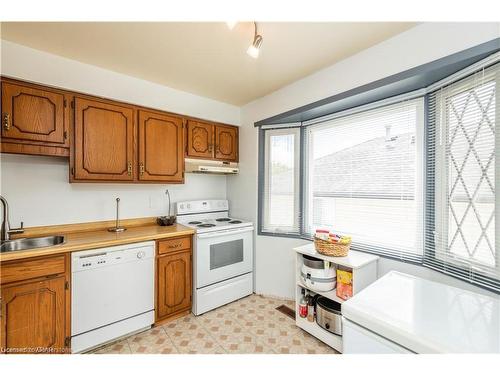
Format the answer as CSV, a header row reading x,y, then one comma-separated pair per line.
x,y
211,166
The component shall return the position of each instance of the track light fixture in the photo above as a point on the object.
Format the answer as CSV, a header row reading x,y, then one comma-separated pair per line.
x,y
254,48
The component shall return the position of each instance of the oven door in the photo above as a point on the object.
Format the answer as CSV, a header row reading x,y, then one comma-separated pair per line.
x,y
222,255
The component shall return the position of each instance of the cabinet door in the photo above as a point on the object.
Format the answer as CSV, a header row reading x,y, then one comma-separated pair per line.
x,y
104,141
226,143
174,283
199,138
161,155
33,315
33,114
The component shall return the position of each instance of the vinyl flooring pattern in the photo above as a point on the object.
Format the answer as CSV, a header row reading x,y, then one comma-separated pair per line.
x,y
251,325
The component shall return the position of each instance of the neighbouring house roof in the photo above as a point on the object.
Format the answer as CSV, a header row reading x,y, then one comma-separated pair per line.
x,y
362,170
373,168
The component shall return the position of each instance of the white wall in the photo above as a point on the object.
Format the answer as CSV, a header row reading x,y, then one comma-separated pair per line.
x,y
39,193
419,45
37,188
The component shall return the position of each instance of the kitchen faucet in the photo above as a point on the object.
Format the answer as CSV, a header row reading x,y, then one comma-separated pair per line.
x,y
6,230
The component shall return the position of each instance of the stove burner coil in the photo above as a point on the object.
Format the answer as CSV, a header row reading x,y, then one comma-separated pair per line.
x,y
205,225
223,219
235,222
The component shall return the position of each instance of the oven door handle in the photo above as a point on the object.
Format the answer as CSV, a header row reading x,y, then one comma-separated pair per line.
x,y
225,232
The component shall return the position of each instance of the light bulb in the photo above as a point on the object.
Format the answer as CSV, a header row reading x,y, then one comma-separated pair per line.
x,y
254,48
253,51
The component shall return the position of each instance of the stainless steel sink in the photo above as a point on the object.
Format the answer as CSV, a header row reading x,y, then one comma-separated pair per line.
x,y
30,243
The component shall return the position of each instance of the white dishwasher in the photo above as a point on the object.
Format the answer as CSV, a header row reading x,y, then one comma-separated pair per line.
x,y
112,293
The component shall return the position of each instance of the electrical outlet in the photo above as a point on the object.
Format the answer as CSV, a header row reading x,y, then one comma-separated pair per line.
x,y
154,202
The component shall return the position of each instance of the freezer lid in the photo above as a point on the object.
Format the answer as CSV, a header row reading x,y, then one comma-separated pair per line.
x,y
427,317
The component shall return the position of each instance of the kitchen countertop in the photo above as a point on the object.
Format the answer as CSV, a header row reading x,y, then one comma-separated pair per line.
x,y
101,238
427,317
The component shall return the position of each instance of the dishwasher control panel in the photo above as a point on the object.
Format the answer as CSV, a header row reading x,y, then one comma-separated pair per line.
x,y
103,257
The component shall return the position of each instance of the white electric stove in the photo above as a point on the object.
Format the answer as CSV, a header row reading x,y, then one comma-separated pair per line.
x,y
222,253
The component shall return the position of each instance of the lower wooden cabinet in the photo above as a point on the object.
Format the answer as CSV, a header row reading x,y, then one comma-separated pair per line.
x,y
173,284
35,316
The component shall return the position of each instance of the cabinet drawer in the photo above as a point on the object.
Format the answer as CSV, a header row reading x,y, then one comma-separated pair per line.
x,y
175,244
31,268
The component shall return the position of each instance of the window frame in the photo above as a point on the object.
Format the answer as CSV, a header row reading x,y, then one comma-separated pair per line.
x,y
263,171
441,188
436,200
415,256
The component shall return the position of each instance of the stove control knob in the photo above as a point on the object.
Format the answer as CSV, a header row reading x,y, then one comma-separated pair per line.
x,y
141,254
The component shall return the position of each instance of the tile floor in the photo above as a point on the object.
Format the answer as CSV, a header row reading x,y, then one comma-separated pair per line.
x,y
251,325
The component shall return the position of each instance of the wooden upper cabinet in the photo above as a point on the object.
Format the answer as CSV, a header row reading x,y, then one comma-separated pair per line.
x,y
174,284
34,116
103,141
107,141
206,140
200,139
226,142
161,153
34,314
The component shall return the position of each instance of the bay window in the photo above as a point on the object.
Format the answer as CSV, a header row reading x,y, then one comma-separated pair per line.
x,y
412,177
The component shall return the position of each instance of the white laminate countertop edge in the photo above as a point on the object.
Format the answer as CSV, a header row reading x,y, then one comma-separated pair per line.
x,y
427,317
354,259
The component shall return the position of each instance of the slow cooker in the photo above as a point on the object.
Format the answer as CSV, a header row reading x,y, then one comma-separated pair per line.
x,y
328,315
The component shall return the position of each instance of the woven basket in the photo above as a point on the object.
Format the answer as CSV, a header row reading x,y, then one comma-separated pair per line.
x,y
331,249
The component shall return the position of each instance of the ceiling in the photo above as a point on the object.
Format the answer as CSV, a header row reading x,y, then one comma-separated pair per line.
x,y
205,58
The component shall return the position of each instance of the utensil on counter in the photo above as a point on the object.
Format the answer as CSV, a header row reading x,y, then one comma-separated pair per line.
x,y
117,227
169,219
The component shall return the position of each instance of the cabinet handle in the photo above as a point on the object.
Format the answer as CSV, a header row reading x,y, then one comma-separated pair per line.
x,y
6,121
210,147
141,168
129,169
175,246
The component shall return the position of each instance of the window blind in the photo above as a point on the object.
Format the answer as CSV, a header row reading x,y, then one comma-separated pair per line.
x,y
281,181
462,216
364,174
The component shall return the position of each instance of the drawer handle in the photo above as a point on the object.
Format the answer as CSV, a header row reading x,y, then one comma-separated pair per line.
x,y
129,168
6,121
175,246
